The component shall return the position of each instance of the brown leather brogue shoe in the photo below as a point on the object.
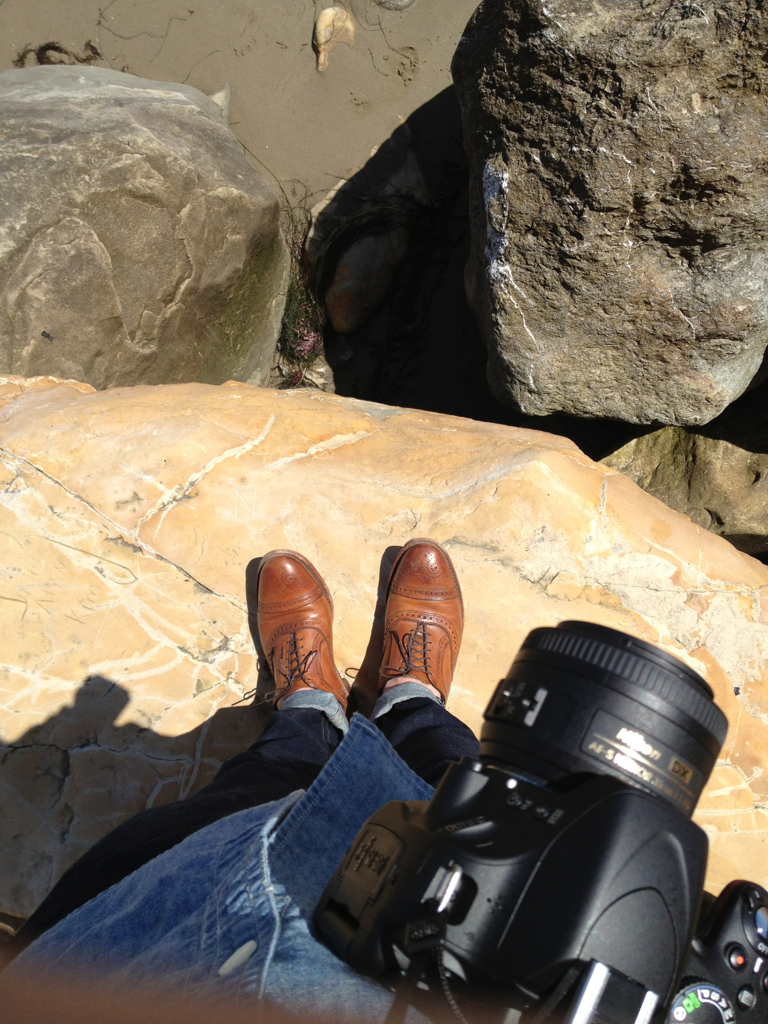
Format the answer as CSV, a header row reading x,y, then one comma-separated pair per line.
x,y
295,620
424,617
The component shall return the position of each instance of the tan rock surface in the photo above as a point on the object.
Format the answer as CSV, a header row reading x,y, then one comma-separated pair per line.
x,y
129,518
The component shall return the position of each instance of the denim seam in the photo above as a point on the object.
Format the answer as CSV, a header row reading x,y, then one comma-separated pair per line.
x,y
203,929
254,901
269,889
268,885
308,800
246,859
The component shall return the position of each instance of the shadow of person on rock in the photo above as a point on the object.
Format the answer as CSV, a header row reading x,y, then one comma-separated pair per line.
x,y
68,782
95,797
69,785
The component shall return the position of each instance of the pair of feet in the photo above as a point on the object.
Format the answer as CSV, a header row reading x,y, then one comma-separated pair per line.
x,y
423,623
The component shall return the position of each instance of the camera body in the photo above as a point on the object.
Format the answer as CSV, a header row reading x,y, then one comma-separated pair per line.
x,y
726,975
543,879
560,874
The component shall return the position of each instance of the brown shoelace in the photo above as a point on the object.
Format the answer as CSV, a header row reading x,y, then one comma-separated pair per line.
x,y
296,667
414,650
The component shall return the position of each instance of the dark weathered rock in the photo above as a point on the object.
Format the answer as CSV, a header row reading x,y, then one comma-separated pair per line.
x,y
360,231
137,245
721,487
619,264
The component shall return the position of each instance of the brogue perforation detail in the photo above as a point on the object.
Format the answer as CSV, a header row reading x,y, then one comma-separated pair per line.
x,y
448,594
424,617
290,603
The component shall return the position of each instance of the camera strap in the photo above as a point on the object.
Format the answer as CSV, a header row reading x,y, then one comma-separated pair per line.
x,y
405,992
421,941
429,1002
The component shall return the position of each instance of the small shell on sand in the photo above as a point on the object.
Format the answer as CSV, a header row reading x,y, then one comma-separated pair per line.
x,y
333,25
394,5
221,98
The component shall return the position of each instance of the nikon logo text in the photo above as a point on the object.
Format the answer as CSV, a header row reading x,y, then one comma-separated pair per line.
x,y
638,742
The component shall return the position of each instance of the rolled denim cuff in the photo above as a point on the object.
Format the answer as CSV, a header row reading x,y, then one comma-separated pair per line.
x,y
321,700
403,691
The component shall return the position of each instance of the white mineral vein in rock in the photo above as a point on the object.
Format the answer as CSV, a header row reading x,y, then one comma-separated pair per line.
x,y
495,184
175,494
338,441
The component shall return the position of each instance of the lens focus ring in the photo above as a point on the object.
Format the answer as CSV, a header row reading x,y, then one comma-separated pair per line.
x,y
655,679
580,697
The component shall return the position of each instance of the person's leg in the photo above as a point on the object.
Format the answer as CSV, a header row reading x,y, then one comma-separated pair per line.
x,y
427,736
289,755
423,626
295,615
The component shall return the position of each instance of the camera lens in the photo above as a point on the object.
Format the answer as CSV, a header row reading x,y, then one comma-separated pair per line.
x,y
585,698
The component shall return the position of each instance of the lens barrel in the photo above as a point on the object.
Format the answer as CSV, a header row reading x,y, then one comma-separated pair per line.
x,y
586,698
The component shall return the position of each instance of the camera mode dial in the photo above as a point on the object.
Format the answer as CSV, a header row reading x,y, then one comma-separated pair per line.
x,y
755,919
730,951
701,1003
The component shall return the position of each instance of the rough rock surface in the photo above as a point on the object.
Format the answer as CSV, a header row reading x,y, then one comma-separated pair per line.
x,y
721,487
619,201
137,245
124,594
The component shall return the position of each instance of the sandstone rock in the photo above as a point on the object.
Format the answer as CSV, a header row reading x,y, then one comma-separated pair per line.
x,y
127,522
136,242
618,203
721,487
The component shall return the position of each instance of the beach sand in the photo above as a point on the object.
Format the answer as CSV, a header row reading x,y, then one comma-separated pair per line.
x,y
299,125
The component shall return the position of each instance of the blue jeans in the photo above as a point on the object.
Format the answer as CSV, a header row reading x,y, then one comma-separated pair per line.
x,y
226,913
289,755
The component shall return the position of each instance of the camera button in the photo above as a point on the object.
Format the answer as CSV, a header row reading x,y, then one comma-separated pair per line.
x,y
746,998
515,799
765,983
541,812
737,958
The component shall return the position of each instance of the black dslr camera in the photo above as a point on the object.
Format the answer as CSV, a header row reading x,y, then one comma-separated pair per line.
x,y
560,876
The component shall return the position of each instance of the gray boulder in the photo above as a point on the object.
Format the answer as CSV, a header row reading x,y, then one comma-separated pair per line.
x,y
137,245
619,201
720,486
